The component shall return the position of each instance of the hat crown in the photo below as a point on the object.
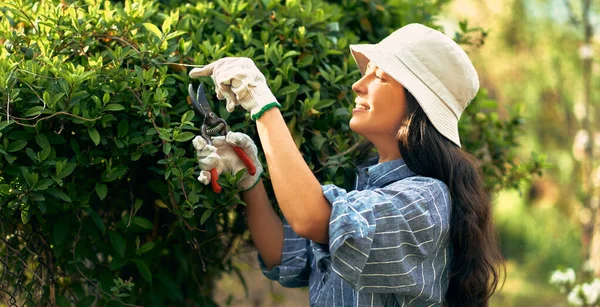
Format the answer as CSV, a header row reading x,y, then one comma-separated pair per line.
x,y
440,55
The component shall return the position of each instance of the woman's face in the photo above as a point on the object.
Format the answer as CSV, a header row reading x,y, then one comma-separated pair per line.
x,y
380,105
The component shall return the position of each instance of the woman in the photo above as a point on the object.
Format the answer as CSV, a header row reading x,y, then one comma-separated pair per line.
x,y
417,229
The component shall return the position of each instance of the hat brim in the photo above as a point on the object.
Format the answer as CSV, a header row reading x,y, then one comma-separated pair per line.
x,y
442,118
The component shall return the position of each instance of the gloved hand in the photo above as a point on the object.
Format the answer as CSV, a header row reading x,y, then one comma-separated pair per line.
x,y
239,81
222,157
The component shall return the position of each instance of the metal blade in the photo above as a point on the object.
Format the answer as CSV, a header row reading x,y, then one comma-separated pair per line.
x,y
199,99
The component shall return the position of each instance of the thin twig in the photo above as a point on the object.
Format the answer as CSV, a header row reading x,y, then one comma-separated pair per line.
x,y
572,16
8,93
30,21
37,75
59,113
38,96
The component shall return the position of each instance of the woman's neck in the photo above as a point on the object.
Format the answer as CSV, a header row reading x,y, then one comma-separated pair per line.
x,y
388,151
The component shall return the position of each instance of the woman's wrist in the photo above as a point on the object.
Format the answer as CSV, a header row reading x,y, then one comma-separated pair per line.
x,y
252,190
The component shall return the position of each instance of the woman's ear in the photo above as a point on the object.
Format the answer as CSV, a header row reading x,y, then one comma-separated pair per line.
x,y
402,132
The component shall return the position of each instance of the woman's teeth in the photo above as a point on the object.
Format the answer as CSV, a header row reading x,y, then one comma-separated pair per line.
x,y
360,106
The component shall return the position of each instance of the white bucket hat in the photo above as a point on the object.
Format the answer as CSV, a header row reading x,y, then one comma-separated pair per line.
x,y
432,67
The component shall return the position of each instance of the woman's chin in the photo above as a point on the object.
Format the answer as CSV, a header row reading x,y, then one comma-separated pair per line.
x,y
355,126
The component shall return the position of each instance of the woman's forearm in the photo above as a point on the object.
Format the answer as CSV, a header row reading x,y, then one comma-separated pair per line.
x,y
297,190
265,225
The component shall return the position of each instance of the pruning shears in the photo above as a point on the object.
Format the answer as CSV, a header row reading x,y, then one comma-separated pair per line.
x,y
213,125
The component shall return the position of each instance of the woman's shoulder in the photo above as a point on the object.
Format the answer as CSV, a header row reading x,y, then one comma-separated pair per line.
x,y
422,185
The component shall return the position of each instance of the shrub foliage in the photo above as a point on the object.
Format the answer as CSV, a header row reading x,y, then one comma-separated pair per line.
x,y
99,201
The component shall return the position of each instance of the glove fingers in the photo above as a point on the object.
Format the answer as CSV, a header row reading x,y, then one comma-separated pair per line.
x,y
236,80
229,96
218,142
219,94
205,70
199,143
209,162
204,177
242,140
205,151
230,106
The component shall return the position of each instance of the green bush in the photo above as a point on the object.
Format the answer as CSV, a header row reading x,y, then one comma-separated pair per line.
x,y
99,201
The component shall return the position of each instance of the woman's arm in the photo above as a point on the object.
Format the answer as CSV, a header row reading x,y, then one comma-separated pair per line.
x,y
265,226
298,191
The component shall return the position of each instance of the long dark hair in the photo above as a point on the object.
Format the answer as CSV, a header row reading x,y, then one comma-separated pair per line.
x,y
477,265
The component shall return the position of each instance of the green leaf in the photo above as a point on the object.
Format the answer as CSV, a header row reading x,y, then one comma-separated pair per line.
x,y
34,111
25,215
144,270
305,61
66,169
117,242
62,301
16,146
205,216
138,204
142,222
324,103
187,116
184,136
42,141
43,184
166,26
5,124
59,194
136,155
94,135
114,107
123,128
288,89
30,178
61,230
154,29
106,98
101,190
166,148
117,263
146,247
4,189
98,221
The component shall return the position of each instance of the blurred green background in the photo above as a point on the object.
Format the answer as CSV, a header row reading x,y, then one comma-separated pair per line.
x,y
530,60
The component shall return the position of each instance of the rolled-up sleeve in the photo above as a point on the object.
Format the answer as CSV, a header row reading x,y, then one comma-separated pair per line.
x,y
379,238
294,269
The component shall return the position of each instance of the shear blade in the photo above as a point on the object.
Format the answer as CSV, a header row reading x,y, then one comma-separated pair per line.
x,y
199,99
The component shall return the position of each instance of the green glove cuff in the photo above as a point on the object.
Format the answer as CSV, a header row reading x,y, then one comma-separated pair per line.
x,y
264,109
254,184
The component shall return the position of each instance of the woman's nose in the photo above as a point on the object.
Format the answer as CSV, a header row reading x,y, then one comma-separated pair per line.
x,y
359,86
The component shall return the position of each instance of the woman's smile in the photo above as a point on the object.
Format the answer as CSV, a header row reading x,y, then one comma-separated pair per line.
x,y
361,107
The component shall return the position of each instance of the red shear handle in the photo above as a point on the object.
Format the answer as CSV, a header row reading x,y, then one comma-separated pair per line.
x,y
244,157
213,180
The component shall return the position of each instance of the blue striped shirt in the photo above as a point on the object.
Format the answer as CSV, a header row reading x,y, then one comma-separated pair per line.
x,y
388,243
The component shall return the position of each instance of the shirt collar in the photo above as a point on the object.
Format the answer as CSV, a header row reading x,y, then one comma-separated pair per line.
x,y
381,174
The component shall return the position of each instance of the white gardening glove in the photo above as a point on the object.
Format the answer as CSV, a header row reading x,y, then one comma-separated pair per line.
x,y
222,156
239,81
